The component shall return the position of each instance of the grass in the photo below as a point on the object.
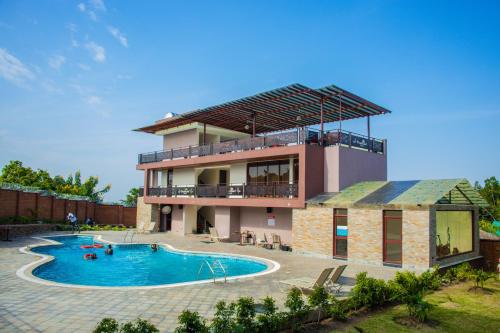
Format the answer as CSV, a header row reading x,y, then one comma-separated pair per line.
x,y
457,309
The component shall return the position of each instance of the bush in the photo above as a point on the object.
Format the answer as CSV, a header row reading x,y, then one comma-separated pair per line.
x,y
223,321
410,289
106,325
245,314
431,279
270,320
480,277
369,292
297,309
191,322
138,326
110,325
488,227
319,299
339,310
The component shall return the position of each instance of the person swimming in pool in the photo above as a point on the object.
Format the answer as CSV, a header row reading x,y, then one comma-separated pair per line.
x,y
154,247
90,256
109,250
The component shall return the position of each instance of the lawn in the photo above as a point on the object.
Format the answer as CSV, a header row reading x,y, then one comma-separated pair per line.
x,y
456,310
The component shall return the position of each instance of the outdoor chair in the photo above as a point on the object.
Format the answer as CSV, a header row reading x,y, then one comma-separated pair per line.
x,y
276,239
307,283
214,235
264,242
330,283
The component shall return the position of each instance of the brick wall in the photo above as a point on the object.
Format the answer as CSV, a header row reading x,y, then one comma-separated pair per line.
x,y
416,240
18,203
312,231
365,232
147,213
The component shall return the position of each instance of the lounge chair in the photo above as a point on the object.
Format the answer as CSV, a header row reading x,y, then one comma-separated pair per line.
x,y
214,235
150,228
264,242
276,241
330,283
307,283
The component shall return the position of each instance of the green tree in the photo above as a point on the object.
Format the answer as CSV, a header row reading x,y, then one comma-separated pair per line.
x,y
491,193
14,172
131,198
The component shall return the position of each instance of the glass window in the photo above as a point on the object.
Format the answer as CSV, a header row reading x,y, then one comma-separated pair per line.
x,y
453,232
261,173
393,230
252,174
340,233
285,172
273,173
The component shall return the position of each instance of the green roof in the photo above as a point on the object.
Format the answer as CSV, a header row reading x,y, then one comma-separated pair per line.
x,y
417,192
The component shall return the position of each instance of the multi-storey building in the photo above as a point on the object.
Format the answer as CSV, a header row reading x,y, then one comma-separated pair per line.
x,y
256,163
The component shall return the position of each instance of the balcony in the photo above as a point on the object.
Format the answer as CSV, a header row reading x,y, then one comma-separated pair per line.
x,y
299,136
255,190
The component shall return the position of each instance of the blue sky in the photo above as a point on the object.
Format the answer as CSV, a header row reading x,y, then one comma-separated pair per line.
x,y
76,77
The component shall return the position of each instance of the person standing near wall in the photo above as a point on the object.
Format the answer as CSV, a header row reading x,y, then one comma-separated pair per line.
x,y
74,222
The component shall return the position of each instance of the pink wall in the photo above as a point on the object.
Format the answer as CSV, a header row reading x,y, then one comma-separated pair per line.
x,y
255,219
181,139
227,222
345,166
177,220
314,166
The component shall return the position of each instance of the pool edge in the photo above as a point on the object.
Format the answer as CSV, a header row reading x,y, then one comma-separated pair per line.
x,y
26,271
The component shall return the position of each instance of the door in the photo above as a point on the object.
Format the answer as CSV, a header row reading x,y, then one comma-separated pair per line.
x,y
165,222
340,233
393,237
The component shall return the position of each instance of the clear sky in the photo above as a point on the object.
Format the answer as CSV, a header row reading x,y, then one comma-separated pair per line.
x,y
77,76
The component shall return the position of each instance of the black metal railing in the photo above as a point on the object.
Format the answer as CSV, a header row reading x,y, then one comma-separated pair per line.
x,y
299,136
275,190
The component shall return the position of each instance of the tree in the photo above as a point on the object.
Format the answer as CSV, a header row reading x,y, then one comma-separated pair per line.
x,y
14,172
491,193
131,198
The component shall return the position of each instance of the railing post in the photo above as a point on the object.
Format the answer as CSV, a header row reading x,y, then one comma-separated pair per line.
x,y
211,148
243,190
139,159
350,139
189,151
156,156
171,153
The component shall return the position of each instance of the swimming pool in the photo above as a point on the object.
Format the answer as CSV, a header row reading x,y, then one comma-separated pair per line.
x,y
136,265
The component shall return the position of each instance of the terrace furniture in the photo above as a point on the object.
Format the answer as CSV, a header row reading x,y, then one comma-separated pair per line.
x,y
330,283
276,239
264,242
214,235
306,283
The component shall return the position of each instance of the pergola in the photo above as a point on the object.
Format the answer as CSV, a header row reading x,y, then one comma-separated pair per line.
x,y
280,109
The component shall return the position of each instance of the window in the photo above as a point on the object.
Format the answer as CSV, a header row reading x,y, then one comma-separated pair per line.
x,y
453,233
340,233
393,236
271,172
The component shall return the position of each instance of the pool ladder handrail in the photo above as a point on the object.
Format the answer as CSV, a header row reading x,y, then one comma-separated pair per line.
x,y
216,264
131,233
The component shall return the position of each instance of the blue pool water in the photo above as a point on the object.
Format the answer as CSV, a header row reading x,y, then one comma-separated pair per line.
x,y
131,265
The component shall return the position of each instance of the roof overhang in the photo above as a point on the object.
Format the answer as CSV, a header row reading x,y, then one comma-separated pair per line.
x,y
289,107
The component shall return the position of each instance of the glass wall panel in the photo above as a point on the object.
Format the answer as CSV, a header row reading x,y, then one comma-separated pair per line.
x,y
285,171
273,173
454,232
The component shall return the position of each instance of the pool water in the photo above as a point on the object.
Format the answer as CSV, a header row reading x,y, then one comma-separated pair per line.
x,y
132,264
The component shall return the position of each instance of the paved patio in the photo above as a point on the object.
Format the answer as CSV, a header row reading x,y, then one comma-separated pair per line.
x,y
30,307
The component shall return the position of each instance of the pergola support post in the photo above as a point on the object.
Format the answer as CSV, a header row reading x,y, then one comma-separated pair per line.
x,y
321,122
204,133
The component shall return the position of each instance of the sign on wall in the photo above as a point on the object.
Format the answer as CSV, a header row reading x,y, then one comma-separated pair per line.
x,y
271,220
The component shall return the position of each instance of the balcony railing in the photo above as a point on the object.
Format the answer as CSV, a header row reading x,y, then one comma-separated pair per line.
x,y
255,190
299,136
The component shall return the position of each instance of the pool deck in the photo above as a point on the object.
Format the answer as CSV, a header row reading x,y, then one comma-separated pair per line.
x,y
31,307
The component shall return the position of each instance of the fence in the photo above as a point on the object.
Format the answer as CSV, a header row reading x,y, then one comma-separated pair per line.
x,y
50,207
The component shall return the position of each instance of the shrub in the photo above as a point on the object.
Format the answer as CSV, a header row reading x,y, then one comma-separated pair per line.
x,y
297,309
106,325
369,292
110,325
270,320
480,277
191,322
138,326
319,299
223,321
339,310
410,289
431,279
245,314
